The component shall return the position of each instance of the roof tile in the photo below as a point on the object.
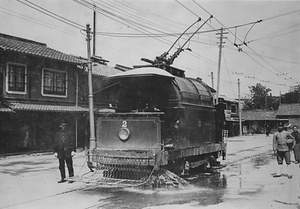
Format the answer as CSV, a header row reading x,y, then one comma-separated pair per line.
x,y
46,108
259,115
25,46
289,109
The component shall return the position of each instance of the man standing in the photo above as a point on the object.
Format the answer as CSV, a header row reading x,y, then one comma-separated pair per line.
x,y
296,149
268,129
64,150
281,149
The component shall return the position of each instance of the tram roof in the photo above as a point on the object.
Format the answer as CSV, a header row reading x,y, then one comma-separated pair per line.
x,y
192,91
145,71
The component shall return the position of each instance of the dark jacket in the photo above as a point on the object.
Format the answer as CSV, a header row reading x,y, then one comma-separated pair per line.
x,y
64,144
296,135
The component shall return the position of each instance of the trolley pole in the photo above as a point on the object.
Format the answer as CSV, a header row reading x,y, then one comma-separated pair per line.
x,y
91,101
240,109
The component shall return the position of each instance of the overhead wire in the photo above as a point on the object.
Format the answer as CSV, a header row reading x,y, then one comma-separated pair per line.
x,y
187,8
273,36
145,16
249,30
146,21
164,20
247,45
60,18
75,23
138,20
35,21
280,15
263,67
53,15
231,84
117,19
149,35
135,21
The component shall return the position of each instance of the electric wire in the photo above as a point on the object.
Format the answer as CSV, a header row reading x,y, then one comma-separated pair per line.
x,y
280,15
187,8
82,26
273,36
137,35
115,18
134,22
142,15
153,15
250,47
163,34
231,84
266,81
146,23
35,21
75,23
51,15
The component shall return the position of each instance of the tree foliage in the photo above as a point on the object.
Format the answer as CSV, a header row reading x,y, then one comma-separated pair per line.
x,y
261,98
293,96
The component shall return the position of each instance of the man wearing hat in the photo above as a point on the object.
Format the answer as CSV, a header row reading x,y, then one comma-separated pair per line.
x,y
64,150
281,147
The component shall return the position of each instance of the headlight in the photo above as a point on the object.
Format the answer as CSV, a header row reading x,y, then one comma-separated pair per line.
x,y
124,134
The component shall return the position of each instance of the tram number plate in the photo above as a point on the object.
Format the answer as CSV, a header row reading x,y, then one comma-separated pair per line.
x,y
124,124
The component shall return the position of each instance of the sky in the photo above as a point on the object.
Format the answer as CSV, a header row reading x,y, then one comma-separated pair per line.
x,y
261,38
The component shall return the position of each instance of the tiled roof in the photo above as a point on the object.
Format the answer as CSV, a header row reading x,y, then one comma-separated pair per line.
x,y
46,108
4,108
16,44
289,109
258,115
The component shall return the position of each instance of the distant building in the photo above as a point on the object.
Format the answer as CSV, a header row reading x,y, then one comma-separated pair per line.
x,y
231,115
255,121
289,113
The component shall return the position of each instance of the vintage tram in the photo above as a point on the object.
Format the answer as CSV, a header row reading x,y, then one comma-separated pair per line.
x,y
155,119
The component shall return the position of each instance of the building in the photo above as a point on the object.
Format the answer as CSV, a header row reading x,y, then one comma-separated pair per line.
x,y
290,113
231,115
40,87
255,121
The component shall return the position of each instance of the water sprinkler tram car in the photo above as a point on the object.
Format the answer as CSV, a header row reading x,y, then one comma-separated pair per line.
x,y
158,119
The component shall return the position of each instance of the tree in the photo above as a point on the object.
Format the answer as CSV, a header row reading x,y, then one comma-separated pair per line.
x,y
261,99
293,96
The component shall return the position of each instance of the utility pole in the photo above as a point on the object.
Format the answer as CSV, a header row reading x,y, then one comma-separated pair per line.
x,y
212,79
219,63
94,34
91,101
240,109
279,97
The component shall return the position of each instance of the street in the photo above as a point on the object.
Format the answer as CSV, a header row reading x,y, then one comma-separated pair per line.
x,y
30,181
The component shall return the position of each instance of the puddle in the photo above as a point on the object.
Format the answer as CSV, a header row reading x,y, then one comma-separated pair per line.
x,y
261,161
205,189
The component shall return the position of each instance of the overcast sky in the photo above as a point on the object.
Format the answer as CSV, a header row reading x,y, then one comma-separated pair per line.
x,y
128,30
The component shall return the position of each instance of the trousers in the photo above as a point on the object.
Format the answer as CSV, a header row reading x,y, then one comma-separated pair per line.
x,y
69,162
281,155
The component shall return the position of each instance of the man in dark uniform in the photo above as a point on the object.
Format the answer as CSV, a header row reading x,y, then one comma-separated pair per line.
x,y
296,148
64,150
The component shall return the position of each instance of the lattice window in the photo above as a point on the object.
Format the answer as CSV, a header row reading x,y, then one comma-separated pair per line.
x,y
54,83
16,78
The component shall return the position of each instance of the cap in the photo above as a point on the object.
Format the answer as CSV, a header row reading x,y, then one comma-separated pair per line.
x,y
63,123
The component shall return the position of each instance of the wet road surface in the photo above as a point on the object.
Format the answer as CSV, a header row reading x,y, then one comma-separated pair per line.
x,y
205,189
245,182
